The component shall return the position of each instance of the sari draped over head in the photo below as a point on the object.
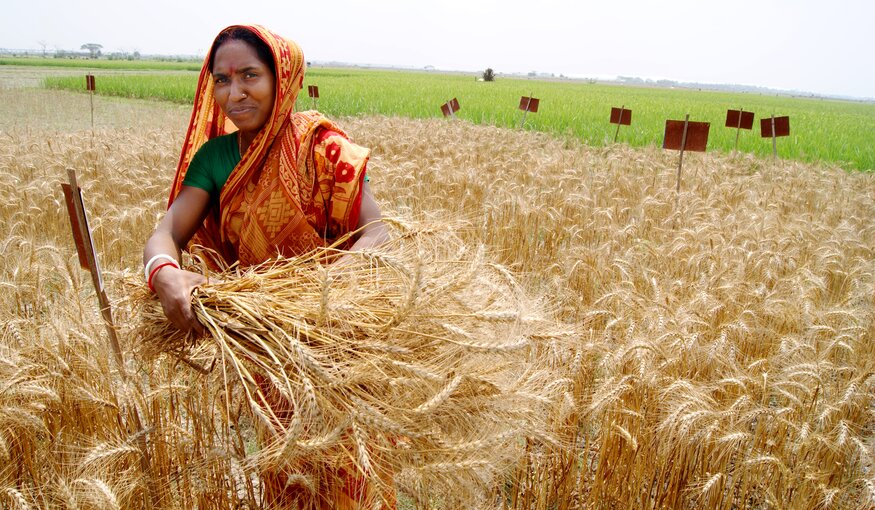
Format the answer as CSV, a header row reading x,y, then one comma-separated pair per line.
x,y
297,187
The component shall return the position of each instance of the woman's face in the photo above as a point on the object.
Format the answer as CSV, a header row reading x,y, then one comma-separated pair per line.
x,y
244,86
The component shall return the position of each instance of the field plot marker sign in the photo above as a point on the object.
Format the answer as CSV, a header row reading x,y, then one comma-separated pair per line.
x,y
683,135
775,127
90,87
739,119
88,258
313,92
528,104
450,108
621,117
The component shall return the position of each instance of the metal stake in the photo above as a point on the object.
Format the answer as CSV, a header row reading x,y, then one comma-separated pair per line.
x,y
683,146
774,140
619,121
680,166
526,112
738,129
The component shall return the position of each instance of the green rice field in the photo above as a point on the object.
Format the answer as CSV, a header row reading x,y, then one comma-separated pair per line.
x,y
827,131
120,64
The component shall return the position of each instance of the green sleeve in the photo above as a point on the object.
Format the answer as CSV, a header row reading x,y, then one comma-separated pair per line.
x,y
198,174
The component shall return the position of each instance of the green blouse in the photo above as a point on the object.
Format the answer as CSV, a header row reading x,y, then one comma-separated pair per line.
x,y
212,164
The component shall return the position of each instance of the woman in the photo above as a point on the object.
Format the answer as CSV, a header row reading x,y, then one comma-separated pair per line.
x,y
282,183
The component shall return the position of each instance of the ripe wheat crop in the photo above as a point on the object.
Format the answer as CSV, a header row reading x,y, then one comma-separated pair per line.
x,y
717,344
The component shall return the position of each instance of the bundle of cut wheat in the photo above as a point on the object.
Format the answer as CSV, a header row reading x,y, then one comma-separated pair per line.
x,y
421,360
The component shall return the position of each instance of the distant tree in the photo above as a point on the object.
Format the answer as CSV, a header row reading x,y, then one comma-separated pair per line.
x,y
43,44
488,74
93,49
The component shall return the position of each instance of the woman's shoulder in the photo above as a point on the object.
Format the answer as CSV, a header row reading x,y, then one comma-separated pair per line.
x,y
308,120
213,162
219,142
219,150
315,125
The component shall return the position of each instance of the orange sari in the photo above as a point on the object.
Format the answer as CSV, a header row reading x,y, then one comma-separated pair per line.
x,y
297,187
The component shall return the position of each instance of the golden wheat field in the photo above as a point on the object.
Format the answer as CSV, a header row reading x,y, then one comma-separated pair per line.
x,y
600,341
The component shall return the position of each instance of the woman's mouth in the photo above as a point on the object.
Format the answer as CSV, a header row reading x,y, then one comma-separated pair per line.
x,y
240,110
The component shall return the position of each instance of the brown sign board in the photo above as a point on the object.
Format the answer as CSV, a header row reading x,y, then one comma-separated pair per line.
x,y
450,107
697,135
782,127
739,119
621,116
89,82
313,91
88,258
529,104
74,224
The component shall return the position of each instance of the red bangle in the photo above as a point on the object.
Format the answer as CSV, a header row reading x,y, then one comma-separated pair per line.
x,y
156,270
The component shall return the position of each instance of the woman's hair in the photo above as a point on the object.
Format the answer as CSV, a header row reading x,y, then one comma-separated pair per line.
x,y
242,34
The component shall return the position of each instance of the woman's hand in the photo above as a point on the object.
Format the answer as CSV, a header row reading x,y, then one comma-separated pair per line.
x,y
174,288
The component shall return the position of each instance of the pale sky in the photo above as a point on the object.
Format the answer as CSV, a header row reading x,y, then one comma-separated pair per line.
x,y
818,46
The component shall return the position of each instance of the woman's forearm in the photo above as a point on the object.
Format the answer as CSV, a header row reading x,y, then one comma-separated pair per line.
x,y
160,242
179,224
372,236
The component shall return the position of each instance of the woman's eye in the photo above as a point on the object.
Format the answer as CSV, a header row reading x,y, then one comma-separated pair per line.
x,y
221,80
250,75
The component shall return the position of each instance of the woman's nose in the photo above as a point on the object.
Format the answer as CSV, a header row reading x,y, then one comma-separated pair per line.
x,y
237,91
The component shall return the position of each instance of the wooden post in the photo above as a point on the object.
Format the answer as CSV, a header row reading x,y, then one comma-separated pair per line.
x,y
90,86
94,266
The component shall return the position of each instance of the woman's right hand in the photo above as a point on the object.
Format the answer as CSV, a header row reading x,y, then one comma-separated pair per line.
x,y
174,288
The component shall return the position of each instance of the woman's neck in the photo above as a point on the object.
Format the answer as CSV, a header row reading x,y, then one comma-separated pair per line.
x,y
243,141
